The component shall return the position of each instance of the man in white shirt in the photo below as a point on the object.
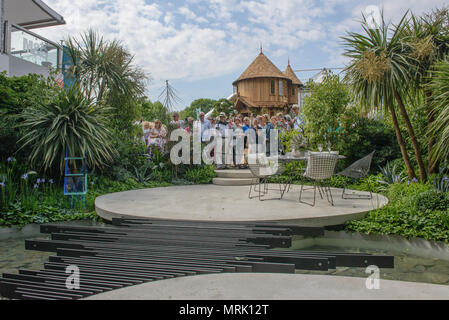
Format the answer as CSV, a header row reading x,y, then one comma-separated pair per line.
x,y
298,120
176,123
205,126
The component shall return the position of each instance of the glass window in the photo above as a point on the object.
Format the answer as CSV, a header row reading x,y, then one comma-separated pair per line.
x,y
293,91
235,89
280,87
272,86
32,49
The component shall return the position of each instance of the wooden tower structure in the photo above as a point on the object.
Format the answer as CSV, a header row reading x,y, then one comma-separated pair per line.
x,y
263,88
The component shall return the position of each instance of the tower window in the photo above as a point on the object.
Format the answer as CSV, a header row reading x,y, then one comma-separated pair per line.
x,y
272,87
280,87
293,91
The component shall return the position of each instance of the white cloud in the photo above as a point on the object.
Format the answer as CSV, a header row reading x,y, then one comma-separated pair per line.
x,y
187,13
178,42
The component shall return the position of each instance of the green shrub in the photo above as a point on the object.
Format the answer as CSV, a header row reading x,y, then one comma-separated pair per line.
x,y
200,175
365,136
432,200
414,210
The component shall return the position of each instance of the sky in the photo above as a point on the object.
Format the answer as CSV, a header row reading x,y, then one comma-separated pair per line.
x,y
202,46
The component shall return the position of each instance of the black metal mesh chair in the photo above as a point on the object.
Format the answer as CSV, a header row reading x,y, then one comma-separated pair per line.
x,y
320,167
356,171
261,168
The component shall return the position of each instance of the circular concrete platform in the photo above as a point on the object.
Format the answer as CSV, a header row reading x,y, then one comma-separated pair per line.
x,y
231,204
273,286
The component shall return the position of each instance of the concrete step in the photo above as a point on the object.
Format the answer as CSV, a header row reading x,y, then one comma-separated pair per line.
x,y
234,173
232,181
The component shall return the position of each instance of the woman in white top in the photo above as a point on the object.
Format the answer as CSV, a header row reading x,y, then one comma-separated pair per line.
x,y
157,136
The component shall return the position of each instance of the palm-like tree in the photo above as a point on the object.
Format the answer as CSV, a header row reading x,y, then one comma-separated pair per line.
x,y
378,73
428,41
104,67
70,122
439,85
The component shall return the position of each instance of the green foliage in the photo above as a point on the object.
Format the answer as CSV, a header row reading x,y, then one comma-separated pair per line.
x,y
440,129
325,110
287,139
154,110
432,200
205,105
440,183
201,175
391,174
414,210
223,105
131,153
17,94
70,121
365,135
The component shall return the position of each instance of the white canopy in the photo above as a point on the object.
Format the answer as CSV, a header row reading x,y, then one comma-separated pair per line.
x,y
31,14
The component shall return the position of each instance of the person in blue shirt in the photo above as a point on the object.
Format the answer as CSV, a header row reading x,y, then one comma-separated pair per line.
x,y
246,124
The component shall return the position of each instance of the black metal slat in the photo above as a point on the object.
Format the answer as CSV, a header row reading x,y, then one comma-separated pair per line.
x,y
135,250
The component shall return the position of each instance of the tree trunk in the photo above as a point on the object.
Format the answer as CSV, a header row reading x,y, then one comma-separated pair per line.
x,y
411,132
410,170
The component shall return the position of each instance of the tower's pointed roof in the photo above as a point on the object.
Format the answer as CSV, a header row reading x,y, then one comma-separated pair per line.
x,y
261,67
291,75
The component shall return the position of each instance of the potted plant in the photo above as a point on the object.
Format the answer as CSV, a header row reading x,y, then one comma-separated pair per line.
x,y
299,145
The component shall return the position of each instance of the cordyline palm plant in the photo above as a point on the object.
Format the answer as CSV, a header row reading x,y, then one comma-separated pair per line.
x,y
69,122
428,41
439,85
101,67
379,72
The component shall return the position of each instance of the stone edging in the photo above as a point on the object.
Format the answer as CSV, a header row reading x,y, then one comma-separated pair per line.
x,y
413,246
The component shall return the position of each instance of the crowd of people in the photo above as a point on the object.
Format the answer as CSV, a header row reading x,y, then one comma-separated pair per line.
x,y
253,127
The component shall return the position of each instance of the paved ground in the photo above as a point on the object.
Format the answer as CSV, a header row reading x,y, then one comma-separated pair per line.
x,y
223,203
252,286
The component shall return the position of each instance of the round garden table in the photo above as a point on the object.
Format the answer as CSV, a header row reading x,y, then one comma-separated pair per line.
x,y
290,157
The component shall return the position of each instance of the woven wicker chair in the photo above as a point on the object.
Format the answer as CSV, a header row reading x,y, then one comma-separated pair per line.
x,y
320,166
356,171
262,169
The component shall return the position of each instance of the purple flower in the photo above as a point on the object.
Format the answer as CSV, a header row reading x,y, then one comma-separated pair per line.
x,y
2,184
408,182
51,181
25,176
92,183
43,180
38,180
397,178
9,159
445,178
35,186
414,180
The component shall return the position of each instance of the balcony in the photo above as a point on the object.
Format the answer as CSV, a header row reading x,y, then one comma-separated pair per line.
x,y
21,50
30,53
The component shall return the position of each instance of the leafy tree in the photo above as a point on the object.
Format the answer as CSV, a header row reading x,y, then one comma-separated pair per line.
x,y
223,105
325,110
205,105
17,94
154,110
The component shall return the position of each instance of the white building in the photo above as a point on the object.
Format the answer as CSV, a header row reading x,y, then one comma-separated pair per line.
x,y
23,51
317,78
